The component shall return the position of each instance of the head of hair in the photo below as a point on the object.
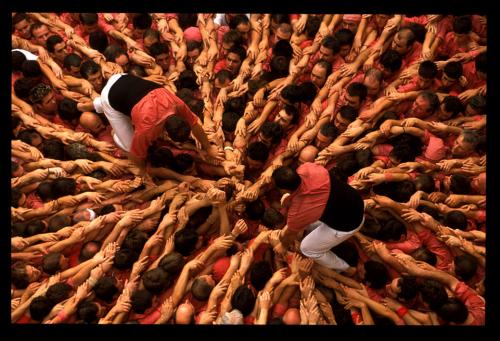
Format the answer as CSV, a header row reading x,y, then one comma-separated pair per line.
x,y
160,157
185,241
433,293
404,190
433,212
113,51
187,20
424,182
159,48
88,18
283,48
456,220
254,209
392,230
364,158
424,255
477,102
272,218
87,312
309,91
332,43
391,60
453,105
28,136
243,299
344,36
201,289
229,121
235,104
31,69
141,300
177,128
18,17
18,58
52,41
23,86
34,227
432,98
223,75
182,163
19,276
156,280
198,217
481,63
98,40
272,130
53,149
88,68
329,130
17,229
68,110
88,250
137,70
63,186
453,310
44,191
286,178
312,26
292,93
418,30
409,288
357,89
349,113
465,266
427,69
192,45
38,92
460,184
125,258
187,79
58,292
232,36
40,307
239,50
142,21
453,70
376,274
72,59
172,263
135,240
50,263
462,24
408,35
258,151
105,288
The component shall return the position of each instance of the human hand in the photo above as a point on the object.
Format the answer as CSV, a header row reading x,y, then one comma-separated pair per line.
x,y
240,227
436,197
453,200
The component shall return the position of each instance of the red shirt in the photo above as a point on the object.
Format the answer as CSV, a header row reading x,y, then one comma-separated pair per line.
x,y
412,55
308,202
410,244
475,303
443,255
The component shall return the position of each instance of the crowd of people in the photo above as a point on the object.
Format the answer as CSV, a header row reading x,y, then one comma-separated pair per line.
x,y
192,168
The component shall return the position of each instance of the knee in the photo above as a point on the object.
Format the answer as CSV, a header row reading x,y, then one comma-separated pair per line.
x,y
308,251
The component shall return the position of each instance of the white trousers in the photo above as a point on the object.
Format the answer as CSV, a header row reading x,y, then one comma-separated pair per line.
x,y
317,244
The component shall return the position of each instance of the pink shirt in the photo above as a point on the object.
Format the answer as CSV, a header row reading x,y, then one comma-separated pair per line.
x,y
410,244
475,303
443,255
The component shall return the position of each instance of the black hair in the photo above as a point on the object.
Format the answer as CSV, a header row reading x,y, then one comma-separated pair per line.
x,y
312,26
50,263
72,59
255,209
481,63
182,162
63,186
52,41
141,300
88,18
53,149
330,42
478,102
201,289
292,111
453,105
23,86
404,191
465,266
135,240
187,79
348,252
28,135
460,184
98,40
229,121
283,48
243,299
15,196
427,69
235,104
433,293
185,241
344,36
105,288
198,217
462,24
223,75
87,312
309,91
137,70
151,33
357,89
40,307
113,51
272,218
409,288
286,178
68,110
329,130
433,212
424,182
31,68
232,36
160,157
187,20
258,151
291,93
89,67
107,209
58,292
159,48
88,250
19,276
392,230
192,45
237,19
391,60
18,59
18,17
44,191
239,50
17,229
260,273
453,310
349,113
456,220
125,259
425,255
177,128
407,34
142,21
418,30
172,263
34,227
156,280
272,130
376,274
363,157
453,70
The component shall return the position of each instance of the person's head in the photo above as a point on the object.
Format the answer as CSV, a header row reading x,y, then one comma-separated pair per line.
x,y
478,183
23,86
135,240
241,24
183,163
16,170
453,311
43,100
21,25
320,72
39,33
462,27
23,274
116,54
63,186
273,219
283,32
465,267
308,154
150,37
185,241
351,22
141,300
403,288
424,105
346,115
140,24
31,137
459,184
160,51
433,293
326,134
403,41
92,122
312,26
35,227
481,65
423,254
177,128
202,287
125,258
40,307
427,71
254,209
187,80
355,94
106,288
89,22
222,79
91,71
88,250
345,38
390,62
88,312
31,69
98,40
257,154
277,19
287,116
156,280
54,262
58,292
68,111
234,58
236,104
72,63
373,81
18,58
450,108
452,71
18,198
184,313
172,263
243,299
329,47
194,49
284,49
308,92
392,230
424,182
44,191
260,273
376,275
270,133
286,179
160,157
465,144
229,39
53,149
57,47
291,316
476,106
232,317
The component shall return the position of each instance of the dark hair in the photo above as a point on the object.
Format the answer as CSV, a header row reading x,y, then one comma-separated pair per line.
x,y
418,30
177,128
28,135
107,209
192,45
408,35
198,217
89,67
477,102
234,21
141,300
187,20
272,218
151,33
19,276
34,227
432,98
349,113
44,191
404,190
142,21
344,36
456,220
31,69
40,307
453,105
105,288
18,59
357,89
424,182
481,63
283,48
391,60
260,273
125,259
72,59
453,70
258,151
63,186
223,75
460,184
159,48
50,263
87,311
232,36
453,310
239,50
409,288
308,91
392,230
135,240
58,292
229,121
187,79
348,252
182,162
272,130
52,41
88,18
279,66
160,156
433,293
68,110
329,130
172,263
312,26
235,104
156,280
113,51
53,149
254,209
18,17
137,70
331,43
17,229
243,299
465,266
364,158
185,241
88,250
292,111
286,178
433,212
462,24
376,274
292,93
15,196
424,255
427,69
201,289
98,40
23,86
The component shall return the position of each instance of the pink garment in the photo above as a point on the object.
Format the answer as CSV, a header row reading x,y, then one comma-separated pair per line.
x,y
192,33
